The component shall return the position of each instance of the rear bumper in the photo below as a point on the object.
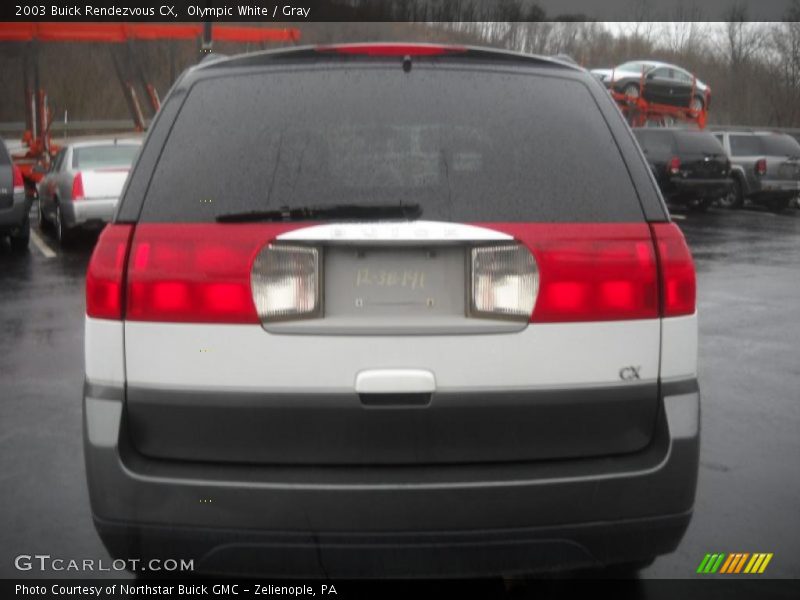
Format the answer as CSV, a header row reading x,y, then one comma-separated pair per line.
x,y
775,189
426,554
443,520
89,212
698,188
14,216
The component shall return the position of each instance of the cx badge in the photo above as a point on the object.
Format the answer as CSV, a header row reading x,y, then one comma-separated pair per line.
x,y
629,373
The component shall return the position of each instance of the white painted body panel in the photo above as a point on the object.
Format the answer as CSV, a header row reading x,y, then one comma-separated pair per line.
x,y
104,351
103,184
679,348
247,358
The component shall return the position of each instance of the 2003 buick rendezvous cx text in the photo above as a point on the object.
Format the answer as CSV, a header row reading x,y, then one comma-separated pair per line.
x,y
391,310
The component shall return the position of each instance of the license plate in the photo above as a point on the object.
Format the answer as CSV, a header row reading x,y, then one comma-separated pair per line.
x,y
379,281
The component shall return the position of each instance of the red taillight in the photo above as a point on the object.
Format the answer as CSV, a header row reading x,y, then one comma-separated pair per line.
x,y
195,272
678,280
392,49
587,272
674,166
106,274
77,186
19,182
761,166
591,272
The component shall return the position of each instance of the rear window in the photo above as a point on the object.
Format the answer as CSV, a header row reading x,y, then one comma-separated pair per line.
x,y
693,142
466,145
635,66
654,142
104,157
745,145
780,145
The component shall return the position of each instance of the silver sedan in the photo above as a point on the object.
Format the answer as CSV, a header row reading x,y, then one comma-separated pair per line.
x,y
83,185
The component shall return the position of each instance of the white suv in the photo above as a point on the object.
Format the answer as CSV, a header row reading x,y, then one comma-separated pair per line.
x,y
391,310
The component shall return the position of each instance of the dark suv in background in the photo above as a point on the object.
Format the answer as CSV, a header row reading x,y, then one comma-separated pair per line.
x,y
15,203
690,166
386,319
765,168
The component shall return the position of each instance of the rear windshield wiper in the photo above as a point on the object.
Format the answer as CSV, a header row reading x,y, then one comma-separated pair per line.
x,y
345,212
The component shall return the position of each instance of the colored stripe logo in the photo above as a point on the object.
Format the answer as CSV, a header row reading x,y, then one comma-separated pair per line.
x,y
734,563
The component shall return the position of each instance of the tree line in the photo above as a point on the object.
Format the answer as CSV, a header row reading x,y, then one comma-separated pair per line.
x,y
753,68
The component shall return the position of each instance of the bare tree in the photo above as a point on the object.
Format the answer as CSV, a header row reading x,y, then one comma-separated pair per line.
x,y
685,33
742,40
641,26
784,60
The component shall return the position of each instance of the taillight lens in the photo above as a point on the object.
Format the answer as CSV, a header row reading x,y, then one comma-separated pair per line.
x,y
678,280
504,282
591,272
19,182
106,273
674,166
761,166
77,186
193,272
286,282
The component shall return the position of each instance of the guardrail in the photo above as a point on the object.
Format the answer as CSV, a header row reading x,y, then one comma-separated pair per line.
x,y
60,128
794,131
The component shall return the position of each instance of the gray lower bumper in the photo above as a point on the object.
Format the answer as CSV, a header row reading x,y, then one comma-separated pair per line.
x,y
14,216
698,188
774,188
580,511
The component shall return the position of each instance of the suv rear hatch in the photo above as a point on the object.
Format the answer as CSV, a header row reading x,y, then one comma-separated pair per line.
x,y
782,154
701,155
260,330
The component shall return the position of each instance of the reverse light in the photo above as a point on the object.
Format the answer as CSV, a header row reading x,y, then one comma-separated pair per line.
x,y
505,282
106,273
77,186
761,166
286,282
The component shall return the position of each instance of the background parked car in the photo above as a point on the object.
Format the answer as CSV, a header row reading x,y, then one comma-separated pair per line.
x,y
664,83
83,184
691,167
765,168
15,204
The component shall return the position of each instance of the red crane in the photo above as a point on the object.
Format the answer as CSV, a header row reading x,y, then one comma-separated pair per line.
x,y
639,111
128,68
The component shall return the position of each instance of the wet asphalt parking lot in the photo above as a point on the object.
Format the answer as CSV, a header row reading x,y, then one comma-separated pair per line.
x,y
748,499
